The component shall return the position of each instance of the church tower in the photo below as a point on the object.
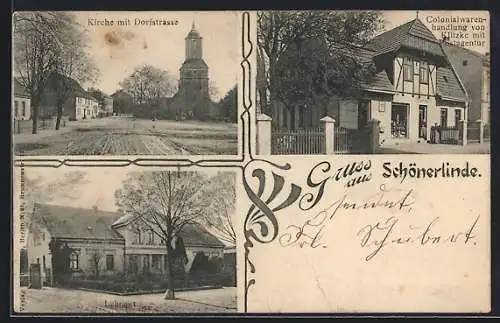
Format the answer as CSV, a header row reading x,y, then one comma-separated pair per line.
x,y
193,85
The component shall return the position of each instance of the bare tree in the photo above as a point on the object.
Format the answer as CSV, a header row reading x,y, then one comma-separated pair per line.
x,y
73,62
219,216
36,44
166,202
147,84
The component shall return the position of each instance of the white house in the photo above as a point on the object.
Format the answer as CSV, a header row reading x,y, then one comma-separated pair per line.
x,y
81,238
22,103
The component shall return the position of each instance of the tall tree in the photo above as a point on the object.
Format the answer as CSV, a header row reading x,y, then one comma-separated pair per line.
x,y
148,84
306,54
165,202
73,61
228,105
36,44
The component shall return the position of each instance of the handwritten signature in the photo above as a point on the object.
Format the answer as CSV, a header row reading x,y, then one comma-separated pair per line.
x,y
310,232
382,234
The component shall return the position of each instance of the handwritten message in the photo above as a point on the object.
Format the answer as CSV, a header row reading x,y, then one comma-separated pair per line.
x,y
400,225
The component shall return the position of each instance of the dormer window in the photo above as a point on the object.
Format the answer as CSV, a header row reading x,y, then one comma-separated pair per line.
x,y
407,69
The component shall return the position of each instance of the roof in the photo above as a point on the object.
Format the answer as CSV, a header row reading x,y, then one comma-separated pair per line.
x,y
413,34
381,80
194,63
193,33
19,89
75,87
196,235
448,85
79,223
192,234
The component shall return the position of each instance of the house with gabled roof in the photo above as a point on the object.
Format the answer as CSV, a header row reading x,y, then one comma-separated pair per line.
x,y
415,87
70,242
78,103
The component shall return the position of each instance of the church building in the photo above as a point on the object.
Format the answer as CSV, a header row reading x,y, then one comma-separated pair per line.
x,y
192,100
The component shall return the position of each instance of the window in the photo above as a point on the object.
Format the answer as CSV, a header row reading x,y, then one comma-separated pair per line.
x,y
156,261
43,262
73,261
110,262
137,236
16,109
424,73
408,69
444,118
151,237
381,106
38,260
145,263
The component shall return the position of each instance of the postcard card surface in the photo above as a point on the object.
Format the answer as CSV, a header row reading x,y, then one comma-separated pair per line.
x,y
251,161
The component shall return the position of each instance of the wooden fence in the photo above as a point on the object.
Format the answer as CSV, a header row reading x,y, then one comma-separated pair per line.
x,y
450,135
352,141
342,141
298,141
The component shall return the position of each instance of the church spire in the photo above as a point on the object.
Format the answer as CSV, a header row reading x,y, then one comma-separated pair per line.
x,y
193,43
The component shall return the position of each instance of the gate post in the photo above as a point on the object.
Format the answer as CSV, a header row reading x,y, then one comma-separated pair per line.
x,y
329,124
462,127
481,131
374,135
263,134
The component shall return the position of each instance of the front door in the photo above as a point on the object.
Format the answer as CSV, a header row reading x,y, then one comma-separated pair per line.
x,y
422,122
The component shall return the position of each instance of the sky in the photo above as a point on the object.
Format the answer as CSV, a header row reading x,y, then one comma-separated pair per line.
x,y
96,188
395,18
162,46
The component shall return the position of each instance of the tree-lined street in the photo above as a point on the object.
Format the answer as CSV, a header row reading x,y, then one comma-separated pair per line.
x,y
130,136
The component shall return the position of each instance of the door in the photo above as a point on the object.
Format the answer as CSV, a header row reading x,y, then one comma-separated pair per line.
x,y
363,113
422,122
399,120
444,118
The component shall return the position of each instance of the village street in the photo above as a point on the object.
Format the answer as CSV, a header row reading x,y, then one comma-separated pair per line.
x,y
57,300
129,136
